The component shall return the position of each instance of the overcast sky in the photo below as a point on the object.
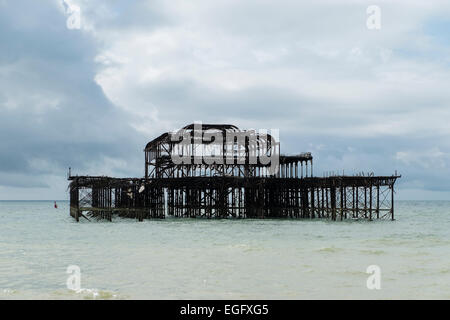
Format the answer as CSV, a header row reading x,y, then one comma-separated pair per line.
x,y
91,97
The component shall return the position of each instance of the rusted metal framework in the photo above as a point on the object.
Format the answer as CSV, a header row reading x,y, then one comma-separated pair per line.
x,y
194,179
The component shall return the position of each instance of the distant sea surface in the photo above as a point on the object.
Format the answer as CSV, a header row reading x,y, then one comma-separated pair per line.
x,y
223,259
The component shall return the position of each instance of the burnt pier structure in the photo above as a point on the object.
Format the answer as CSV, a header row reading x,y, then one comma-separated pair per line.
x,y
220,171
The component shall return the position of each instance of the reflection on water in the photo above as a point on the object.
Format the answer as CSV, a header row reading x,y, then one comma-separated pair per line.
x,y
223,259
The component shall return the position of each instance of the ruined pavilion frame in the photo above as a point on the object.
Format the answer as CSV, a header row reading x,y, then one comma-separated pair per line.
x,y
245,189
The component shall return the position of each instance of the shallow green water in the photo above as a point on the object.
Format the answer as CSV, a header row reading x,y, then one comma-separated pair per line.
x,y
223,259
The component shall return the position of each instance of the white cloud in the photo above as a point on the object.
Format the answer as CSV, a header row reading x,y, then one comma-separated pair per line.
x,y
333,62
428,158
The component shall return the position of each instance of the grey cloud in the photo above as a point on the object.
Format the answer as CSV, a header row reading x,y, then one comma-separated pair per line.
x,y
53,114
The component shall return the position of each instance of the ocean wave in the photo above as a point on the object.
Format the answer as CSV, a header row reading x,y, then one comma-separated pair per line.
x,y
93,293
330,249
9,292
373,251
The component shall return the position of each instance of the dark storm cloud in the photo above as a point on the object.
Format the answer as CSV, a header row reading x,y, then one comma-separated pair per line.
x,y
53,114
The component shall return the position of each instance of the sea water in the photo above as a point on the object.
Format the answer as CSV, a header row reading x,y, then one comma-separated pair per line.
x,y
223,259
